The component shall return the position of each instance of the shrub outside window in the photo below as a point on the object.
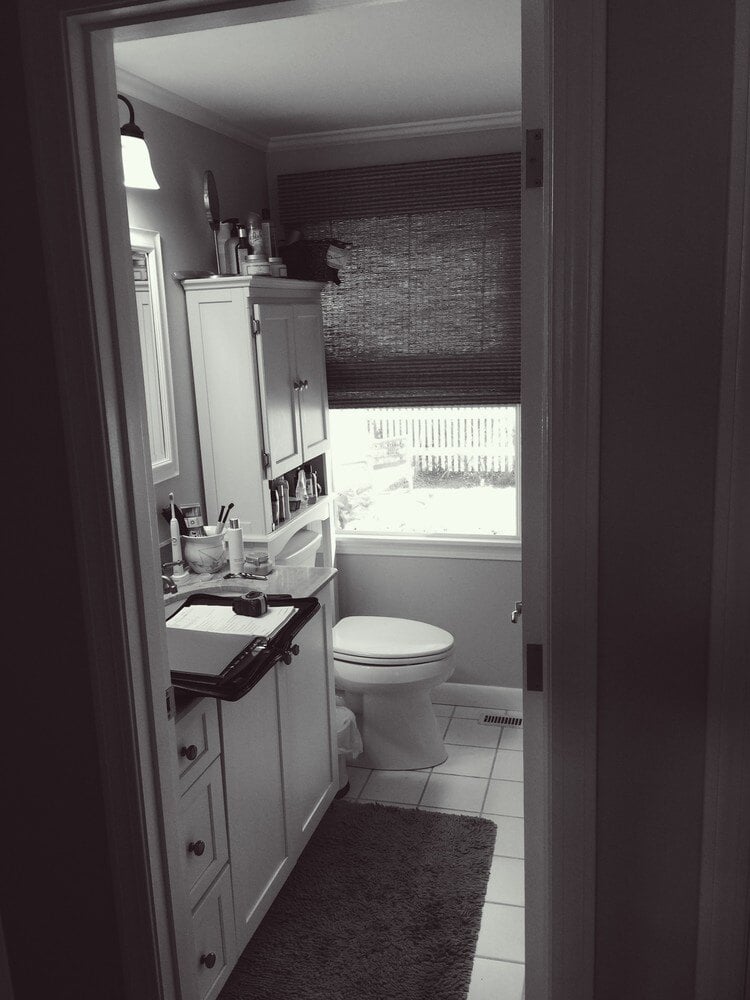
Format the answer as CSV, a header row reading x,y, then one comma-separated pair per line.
x,y
430,471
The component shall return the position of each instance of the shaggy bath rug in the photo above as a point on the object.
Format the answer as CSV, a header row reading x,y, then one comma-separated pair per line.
x,y
384,904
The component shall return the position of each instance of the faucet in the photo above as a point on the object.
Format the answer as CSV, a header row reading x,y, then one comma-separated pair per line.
x,y
168,584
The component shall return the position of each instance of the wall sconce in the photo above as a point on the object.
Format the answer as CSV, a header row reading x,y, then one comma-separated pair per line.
x,y
136,161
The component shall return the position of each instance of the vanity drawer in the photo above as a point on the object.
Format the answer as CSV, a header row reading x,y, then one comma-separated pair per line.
x,y
203,830
213,933
197,739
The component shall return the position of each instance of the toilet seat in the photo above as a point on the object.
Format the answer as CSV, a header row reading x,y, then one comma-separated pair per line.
x,y
378,641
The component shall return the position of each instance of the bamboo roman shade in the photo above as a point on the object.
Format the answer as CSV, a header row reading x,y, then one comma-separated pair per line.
x,y
428,309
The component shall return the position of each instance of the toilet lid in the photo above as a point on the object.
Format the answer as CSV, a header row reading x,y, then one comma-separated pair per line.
x,y
372,639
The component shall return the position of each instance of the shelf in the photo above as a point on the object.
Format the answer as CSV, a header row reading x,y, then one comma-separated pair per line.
x,y
319,511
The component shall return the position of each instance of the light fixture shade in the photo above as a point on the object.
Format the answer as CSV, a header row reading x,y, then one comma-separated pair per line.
x,y
136,164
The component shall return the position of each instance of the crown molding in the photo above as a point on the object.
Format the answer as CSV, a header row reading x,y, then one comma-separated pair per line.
x,y
142,90
406,130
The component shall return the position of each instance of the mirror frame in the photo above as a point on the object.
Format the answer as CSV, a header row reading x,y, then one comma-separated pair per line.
x,y
159,372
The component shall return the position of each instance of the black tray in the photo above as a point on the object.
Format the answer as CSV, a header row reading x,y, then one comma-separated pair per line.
x,y
252,663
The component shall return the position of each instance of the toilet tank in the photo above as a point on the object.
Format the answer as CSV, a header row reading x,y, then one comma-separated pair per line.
x,y
301,549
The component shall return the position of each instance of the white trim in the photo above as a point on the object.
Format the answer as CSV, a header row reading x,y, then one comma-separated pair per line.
x,y
414,546
150,241
478,696
403,130
142,90
723,955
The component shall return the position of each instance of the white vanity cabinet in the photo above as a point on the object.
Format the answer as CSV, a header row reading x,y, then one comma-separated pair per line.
x,y
280,769
255,777
260,387
202,826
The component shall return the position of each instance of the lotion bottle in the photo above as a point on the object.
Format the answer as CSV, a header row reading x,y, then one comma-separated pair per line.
x,y
235,546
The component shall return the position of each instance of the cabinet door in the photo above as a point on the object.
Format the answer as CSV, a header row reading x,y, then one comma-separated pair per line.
x,y
255,806
308,738
277,372
311,370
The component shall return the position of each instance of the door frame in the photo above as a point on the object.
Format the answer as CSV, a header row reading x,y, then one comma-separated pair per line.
x,y
76,146
723,948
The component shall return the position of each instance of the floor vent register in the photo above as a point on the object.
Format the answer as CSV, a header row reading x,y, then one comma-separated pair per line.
x,y
501,720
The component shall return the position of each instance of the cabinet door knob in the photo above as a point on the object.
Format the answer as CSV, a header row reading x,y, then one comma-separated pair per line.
x,y
305,383
197,848
295,649
296,385
190,752
208,960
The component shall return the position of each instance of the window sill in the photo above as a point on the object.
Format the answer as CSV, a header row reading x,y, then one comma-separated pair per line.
x,y
455,547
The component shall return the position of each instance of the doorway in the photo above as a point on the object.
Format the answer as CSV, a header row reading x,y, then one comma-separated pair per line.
x,y
92,64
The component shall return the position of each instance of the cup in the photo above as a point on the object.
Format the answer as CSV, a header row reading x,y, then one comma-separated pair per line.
x,y
205,554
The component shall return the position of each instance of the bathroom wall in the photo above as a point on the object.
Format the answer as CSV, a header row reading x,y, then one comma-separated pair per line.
x,y
471,598
180,153
488,647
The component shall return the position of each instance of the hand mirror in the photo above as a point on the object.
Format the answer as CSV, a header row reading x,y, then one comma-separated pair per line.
x,y
211,204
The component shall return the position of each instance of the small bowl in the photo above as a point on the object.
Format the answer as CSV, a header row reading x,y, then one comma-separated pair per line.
x,y
204,554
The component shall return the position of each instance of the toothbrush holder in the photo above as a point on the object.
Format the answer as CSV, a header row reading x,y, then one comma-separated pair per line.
x,y
204,554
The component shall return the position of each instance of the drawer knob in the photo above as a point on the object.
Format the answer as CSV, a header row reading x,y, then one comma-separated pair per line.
x,y
190,752
208,960
197,848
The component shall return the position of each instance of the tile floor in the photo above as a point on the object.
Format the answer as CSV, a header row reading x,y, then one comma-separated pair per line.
x,y
483,775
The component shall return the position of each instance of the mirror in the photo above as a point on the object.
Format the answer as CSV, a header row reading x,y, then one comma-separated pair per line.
x,y
157,368
213,214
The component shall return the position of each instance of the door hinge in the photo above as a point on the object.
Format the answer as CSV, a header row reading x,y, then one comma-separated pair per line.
x,y
255,327
169,697
266,459
534,666
534,157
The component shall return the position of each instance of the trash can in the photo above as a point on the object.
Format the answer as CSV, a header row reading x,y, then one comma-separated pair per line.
x,y
348,742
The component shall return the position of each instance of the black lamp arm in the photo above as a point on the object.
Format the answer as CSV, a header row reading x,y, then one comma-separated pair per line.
x,y
130,127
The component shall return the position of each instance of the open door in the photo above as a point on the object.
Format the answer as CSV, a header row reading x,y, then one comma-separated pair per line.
x,y
562,215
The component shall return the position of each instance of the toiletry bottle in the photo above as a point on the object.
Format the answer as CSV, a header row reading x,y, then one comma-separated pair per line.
x,y
274,507
269,234
242,249
230,245
282,500
235,546
255,234
225,232
301,491
285,493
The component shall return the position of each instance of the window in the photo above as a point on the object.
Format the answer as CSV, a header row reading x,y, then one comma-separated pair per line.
x,y
431,471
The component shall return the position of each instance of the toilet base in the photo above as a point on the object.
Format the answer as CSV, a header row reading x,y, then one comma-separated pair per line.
x,y
399,733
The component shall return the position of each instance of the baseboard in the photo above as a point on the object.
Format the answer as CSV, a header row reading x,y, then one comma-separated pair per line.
x,y
479,696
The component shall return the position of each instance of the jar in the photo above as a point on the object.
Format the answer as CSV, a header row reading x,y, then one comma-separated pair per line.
x,y
256,264
278,267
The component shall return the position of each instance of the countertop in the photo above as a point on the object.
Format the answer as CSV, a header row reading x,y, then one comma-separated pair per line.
x,y
298,581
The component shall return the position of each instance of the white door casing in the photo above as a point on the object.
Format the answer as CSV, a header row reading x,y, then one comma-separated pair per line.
x,y
109,445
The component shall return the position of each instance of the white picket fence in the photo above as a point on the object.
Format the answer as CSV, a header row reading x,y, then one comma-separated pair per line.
x,y
452,438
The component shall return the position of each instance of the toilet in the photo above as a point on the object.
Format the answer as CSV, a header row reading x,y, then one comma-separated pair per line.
x,y
386,669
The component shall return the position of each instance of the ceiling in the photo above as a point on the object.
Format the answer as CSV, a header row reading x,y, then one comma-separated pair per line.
x,y
351,67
